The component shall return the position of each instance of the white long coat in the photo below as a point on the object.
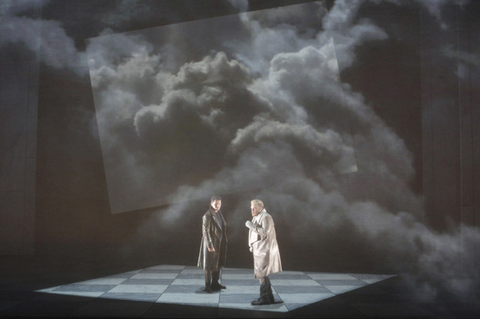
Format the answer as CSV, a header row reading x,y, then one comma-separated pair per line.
x,y
263,241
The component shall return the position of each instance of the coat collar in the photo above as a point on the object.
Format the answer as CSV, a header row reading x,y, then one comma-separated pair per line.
x,y
215,218
260,215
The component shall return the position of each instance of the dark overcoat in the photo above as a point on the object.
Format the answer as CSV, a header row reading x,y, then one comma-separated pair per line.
x,y
216,236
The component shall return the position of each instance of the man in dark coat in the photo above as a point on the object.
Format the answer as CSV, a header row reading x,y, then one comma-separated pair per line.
x,y
213,247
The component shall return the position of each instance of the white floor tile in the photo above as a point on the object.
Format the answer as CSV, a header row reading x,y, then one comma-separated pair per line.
x,y
193,271
288,272
241,289
293,282
189,298
240,276
189,282
147,289
155,276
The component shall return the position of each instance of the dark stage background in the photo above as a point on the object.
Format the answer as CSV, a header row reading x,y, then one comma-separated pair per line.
x,y
410,73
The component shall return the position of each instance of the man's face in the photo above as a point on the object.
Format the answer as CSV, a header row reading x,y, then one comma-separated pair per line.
x,y
216,204
255,209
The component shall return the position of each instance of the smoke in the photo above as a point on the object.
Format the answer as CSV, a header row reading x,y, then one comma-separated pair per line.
x,y
241,5
126,11
435,7
47,38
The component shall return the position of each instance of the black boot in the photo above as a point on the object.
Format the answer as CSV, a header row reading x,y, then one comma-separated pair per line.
x,y
216,286
269,290
263,300
266,295
271,298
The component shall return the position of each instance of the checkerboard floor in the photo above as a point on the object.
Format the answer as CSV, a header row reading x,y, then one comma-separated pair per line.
x,y
183,285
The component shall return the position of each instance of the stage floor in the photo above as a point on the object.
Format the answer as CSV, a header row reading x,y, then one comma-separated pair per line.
x,y
183,285
82,288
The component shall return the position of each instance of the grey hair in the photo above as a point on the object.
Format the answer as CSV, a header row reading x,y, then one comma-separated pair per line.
x,y
257,202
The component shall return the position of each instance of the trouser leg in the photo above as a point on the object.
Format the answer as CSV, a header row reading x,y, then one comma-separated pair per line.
x,y
215,277
208,280
266,294
215,281
266,289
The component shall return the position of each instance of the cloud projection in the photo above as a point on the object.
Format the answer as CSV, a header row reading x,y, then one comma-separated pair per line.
x,y
192,105
252,104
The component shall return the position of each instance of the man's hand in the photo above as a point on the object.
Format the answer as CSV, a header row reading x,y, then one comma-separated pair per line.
x,y
249,224
211,249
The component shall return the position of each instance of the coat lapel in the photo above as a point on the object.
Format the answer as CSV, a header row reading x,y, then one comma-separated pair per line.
x,y
214,215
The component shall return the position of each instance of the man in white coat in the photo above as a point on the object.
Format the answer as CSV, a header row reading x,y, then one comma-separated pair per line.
x,y
262,240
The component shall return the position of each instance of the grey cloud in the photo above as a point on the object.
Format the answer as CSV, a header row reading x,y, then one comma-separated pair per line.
x,y
112,49
276,122
342,14
312,75
305,17
211,90
433,258
200,108
435,7
286,29
428,259
465,60
48,38
125,11
347,38
212,71
241,5
326,151
308,72
257,168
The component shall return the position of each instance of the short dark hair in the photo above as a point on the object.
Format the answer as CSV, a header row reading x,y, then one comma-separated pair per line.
x,y
215,197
